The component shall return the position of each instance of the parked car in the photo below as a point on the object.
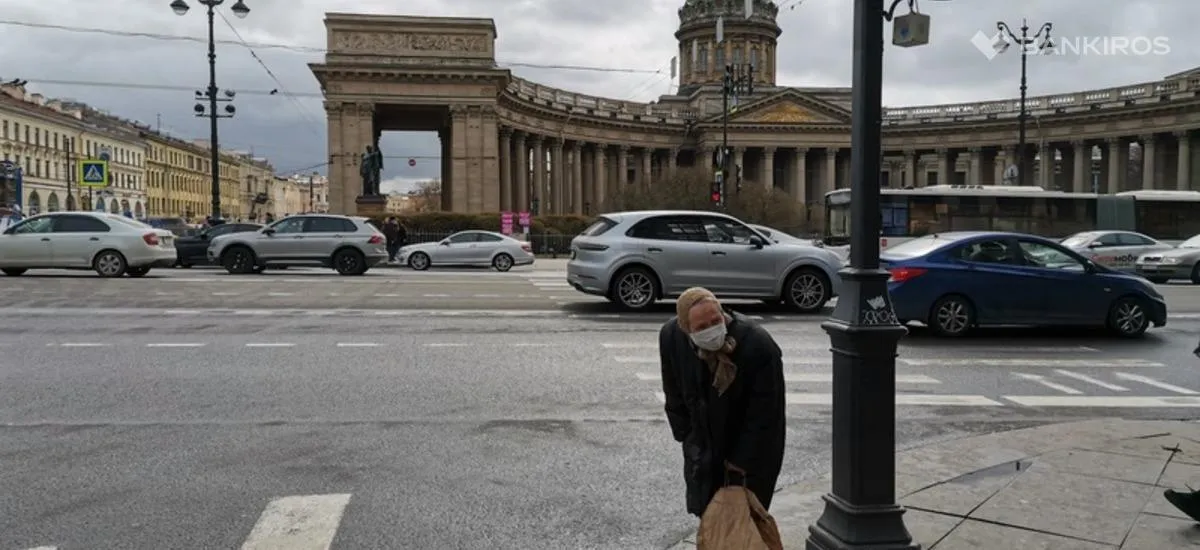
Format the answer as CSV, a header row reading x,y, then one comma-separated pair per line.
x,y
109,244
468,248
193,249
350,245
636,258
954,282
1114,249
1182,262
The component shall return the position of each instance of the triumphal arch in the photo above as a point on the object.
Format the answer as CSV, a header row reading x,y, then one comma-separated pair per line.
x,y
512,144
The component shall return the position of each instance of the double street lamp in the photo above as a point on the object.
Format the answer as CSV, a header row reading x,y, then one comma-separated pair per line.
x,y
180,7
1039,42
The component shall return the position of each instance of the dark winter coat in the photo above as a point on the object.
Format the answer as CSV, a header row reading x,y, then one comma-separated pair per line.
x,y
745,426
391,231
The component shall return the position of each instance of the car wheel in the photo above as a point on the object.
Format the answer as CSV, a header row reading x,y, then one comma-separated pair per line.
x,y
502,262
137,272
14,271
238,260
1127,317
185,265
1196,274
109,263
952,316
807,290
634,289
258,269
349,262
419,261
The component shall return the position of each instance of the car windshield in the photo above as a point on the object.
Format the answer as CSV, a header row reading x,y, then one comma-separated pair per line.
x,y
918,247
1193,242
1077,240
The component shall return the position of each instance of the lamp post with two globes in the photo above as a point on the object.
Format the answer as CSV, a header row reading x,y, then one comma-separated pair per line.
x,y
180,7
1007,38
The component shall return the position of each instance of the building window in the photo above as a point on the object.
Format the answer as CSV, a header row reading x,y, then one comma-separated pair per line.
x,y
754,55
6,129
720,56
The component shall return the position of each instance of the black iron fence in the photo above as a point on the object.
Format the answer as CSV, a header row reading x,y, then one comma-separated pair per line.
x,y
546,244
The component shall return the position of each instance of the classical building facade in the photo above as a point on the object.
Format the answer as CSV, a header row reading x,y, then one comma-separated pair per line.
x,y
177,183
512,144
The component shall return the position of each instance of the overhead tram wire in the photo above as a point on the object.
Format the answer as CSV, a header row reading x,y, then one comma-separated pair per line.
x,y
648,83
289,47
281,88
324,164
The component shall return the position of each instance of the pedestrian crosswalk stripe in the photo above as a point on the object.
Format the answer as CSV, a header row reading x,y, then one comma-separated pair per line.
x,y
1103,401
902,399
1040,379
654,360
1155,383
815,378
1090,380
1052,363
298,523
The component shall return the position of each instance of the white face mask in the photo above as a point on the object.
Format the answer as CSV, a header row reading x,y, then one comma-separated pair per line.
x,y
711,338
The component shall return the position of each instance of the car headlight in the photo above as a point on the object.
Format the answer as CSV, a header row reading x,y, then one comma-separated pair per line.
x,y
1170,260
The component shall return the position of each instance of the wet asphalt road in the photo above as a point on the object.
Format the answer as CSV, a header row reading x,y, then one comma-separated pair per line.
x,y
141,430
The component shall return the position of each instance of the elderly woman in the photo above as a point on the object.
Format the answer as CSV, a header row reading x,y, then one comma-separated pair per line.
x,y
723,379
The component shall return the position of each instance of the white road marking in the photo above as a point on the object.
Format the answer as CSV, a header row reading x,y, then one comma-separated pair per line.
x,y
298,523
491,296
252,312
1048,363
1101,401
654,346
530,345
435,295
648,360
387,295
815,378
445,345
1090,380
357,344
175,345
1152,382
1015,349
1049,384
281,294
168,293
905,399
224,294
270,345
81,345
45,548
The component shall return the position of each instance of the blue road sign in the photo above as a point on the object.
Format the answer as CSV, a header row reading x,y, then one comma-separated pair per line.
x,y
93,173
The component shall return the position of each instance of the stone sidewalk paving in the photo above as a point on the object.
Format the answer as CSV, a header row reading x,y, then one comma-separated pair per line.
x,y
1089,485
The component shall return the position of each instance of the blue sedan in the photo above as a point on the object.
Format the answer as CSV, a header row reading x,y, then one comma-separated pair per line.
x,y
954,282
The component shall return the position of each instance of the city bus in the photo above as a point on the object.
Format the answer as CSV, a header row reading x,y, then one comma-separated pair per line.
x,y
1170,216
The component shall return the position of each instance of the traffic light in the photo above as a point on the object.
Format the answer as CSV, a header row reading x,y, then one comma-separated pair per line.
x,y
717,187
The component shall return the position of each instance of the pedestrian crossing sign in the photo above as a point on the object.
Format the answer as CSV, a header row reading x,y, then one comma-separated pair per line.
x,y
93,173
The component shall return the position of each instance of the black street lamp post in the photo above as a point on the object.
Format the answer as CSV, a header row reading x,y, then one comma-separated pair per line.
x,y
738,80
1024,41
239,9
861,510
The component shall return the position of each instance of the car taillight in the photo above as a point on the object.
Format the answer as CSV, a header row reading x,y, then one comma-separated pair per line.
x,y
526,247
151,239
375,239
901,274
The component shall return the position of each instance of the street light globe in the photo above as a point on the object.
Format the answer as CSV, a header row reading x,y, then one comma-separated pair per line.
x,y
240,9
179,7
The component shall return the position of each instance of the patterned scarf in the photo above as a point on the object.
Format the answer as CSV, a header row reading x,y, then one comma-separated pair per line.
x,y
719,363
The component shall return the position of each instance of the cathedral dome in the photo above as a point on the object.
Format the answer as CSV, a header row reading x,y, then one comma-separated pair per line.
x,y
747,40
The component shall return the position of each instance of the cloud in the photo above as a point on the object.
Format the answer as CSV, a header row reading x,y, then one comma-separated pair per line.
x,y
289,128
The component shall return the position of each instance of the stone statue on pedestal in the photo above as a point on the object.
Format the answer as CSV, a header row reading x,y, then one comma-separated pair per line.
x,y
369,168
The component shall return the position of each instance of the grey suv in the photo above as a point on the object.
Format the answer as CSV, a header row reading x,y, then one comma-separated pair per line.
x,y
351,245
635,258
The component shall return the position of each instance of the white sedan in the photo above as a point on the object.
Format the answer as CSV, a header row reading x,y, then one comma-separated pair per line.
x,y
109,244
468,248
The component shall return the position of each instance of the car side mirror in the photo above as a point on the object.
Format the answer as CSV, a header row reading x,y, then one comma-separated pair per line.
x,y
445,242
268,231
757,241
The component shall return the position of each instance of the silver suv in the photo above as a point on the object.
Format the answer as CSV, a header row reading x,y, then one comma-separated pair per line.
x,y
635,258
351,245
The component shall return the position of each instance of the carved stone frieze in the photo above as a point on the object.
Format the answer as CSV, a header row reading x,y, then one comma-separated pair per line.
x,y
448,62
364,109
393,43
334,108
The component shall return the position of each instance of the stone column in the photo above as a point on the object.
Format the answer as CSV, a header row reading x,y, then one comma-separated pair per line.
x,y
768,168
577,178
558,187
447,169
343,168
506,187
975,160
1149,162
1183,175
539,173
474,170
673,162
1010,159
946,167
1081,167
647,167
1118,161
799,187
521,204
622,166
1046,154
830,173
600,187
911,169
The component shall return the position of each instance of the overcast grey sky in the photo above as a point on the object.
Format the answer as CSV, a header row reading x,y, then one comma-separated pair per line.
x,y
633,38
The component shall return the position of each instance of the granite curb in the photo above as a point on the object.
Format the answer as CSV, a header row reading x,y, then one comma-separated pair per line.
x,y
1102,479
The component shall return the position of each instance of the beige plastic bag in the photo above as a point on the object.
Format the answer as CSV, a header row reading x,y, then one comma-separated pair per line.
x,y
736,520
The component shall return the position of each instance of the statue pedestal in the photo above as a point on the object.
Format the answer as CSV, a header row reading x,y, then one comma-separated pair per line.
x,y
371,206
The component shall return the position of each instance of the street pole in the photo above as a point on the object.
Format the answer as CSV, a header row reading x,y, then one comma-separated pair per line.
x,y
239,9
738,79
1024,41
861,510
310,195
70,172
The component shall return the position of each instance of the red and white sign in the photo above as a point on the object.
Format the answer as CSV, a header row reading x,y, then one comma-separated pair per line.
x,y
525,219
412,162
506,223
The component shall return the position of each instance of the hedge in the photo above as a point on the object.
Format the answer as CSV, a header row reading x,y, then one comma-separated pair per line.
x,y
450,222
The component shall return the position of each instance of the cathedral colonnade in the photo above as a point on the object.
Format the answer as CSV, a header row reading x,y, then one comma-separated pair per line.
x,y
512,144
